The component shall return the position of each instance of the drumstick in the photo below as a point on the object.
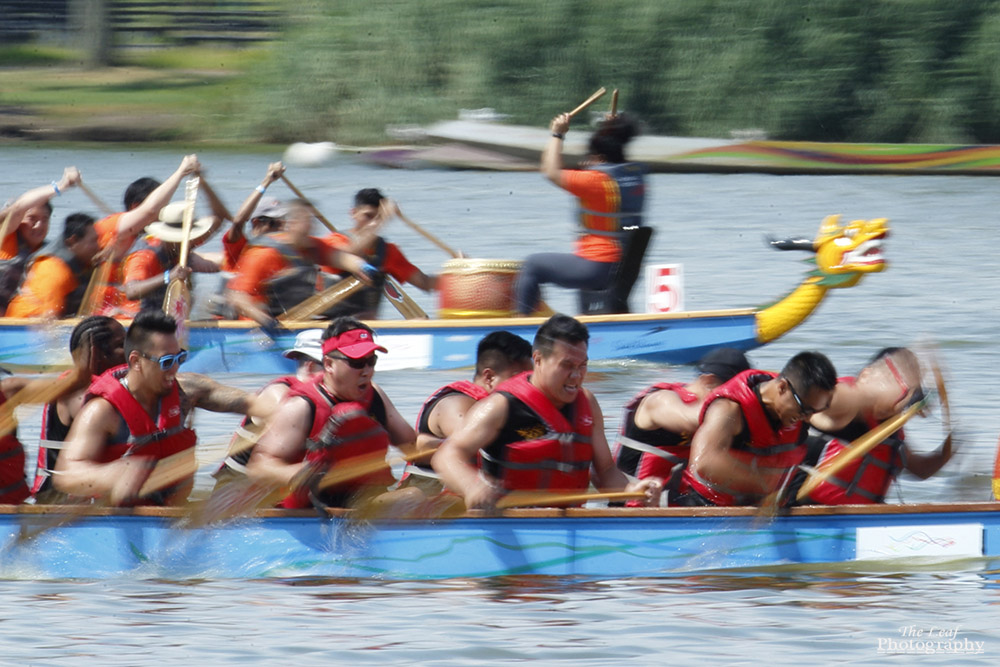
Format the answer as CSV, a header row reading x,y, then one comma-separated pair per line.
x,y
590,100
614,103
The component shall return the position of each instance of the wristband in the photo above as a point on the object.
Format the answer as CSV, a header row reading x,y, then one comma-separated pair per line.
x,y
558,135
166,277
370,271
55,186
261,189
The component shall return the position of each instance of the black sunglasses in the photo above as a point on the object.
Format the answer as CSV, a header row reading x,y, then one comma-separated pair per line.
x,y
167,361
357,364
807,411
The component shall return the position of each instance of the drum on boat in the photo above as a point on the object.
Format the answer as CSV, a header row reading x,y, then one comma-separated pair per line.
x,y
477,288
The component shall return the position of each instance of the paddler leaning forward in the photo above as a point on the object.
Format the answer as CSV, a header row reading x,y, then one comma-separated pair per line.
x,y
538,431
132,420
752,431
339,422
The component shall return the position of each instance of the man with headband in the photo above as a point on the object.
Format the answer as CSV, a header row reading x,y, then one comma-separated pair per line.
x,y
340,422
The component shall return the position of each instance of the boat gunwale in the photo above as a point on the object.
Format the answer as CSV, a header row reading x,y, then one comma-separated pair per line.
x,y
420,324
82,512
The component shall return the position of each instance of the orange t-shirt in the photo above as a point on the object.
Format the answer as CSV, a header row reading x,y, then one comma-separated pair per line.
x,y
257,265
113,298
44,291
231,251
8,249
139,265
396,264
597,192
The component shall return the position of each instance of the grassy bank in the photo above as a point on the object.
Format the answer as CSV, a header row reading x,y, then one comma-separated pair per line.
x,y
173,94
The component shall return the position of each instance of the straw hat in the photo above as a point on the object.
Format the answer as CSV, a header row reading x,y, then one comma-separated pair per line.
x,y
170,226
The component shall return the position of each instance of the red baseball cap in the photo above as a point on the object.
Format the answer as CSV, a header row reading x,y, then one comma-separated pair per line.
x,y
355,344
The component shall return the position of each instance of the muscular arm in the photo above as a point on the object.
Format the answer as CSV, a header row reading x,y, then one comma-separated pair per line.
x,y
132,222
454,459
444,419
926,465
79,470
710,451
207,394
606,475
421,280
37,197
666,410
280,452
401,434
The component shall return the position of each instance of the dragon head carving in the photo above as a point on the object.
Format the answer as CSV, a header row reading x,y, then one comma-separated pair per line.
x,y
845,253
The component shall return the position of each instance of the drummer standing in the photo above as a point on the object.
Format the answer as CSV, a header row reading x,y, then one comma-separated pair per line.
x,y
611,193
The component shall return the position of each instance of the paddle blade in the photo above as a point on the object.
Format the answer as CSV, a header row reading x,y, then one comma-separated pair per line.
x,y
177,304
996,474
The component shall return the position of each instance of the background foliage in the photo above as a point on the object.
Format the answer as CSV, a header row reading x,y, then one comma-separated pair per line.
x,y
831,70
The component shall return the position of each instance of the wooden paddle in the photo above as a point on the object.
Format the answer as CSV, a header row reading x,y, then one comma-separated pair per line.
x,y
222,209
427,235
857,449
98,202
169,471
548,499
298,193
177,302
322,301
406,306
37,391
587,102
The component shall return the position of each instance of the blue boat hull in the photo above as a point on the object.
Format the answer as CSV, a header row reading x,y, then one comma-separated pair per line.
x,y
238,347
593,543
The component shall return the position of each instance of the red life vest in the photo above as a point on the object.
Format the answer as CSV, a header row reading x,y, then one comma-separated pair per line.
x,y
237,462
865,480
53,434
342,430
155,439
772,450
13,486
653,453
470,389
557,459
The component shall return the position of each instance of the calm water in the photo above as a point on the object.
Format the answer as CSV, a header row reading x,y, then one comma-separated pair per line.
x,y
939,289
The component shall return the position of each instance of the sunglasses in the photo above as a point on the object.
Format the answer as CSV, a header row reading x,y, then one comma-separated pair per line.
x,y
356,364
806,410
167,361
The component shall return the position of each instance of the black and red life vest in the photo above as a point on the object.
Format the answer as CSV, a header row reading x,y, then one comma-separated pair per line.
x,y
769,447
865,480
342,431
237,461
470,389
52,437
541,448
654,453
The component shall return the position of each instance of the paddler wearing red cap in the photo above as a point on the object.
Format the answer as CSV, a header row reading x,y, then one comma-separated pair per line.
x,y
339,418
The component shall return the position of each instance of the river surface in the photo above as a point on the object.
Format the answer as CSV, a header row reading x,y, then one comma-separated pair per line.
x,y
940,290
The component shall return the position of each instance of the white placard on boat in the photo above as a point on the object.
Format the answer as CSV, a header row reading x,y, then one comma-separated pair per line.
x,y
664,288
405,351
962,540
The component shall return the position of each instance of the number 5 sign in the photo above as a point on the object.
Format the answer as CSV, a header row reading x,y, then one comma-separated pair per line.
x,y
664,288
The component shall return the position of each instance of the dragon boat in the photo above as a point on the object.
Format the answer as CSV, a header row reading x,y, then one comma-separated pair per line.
x,y
843,253
49,542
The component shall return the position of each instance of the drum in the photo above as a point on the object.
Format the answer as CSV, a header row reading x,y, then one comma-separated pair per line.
x,y
477,288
